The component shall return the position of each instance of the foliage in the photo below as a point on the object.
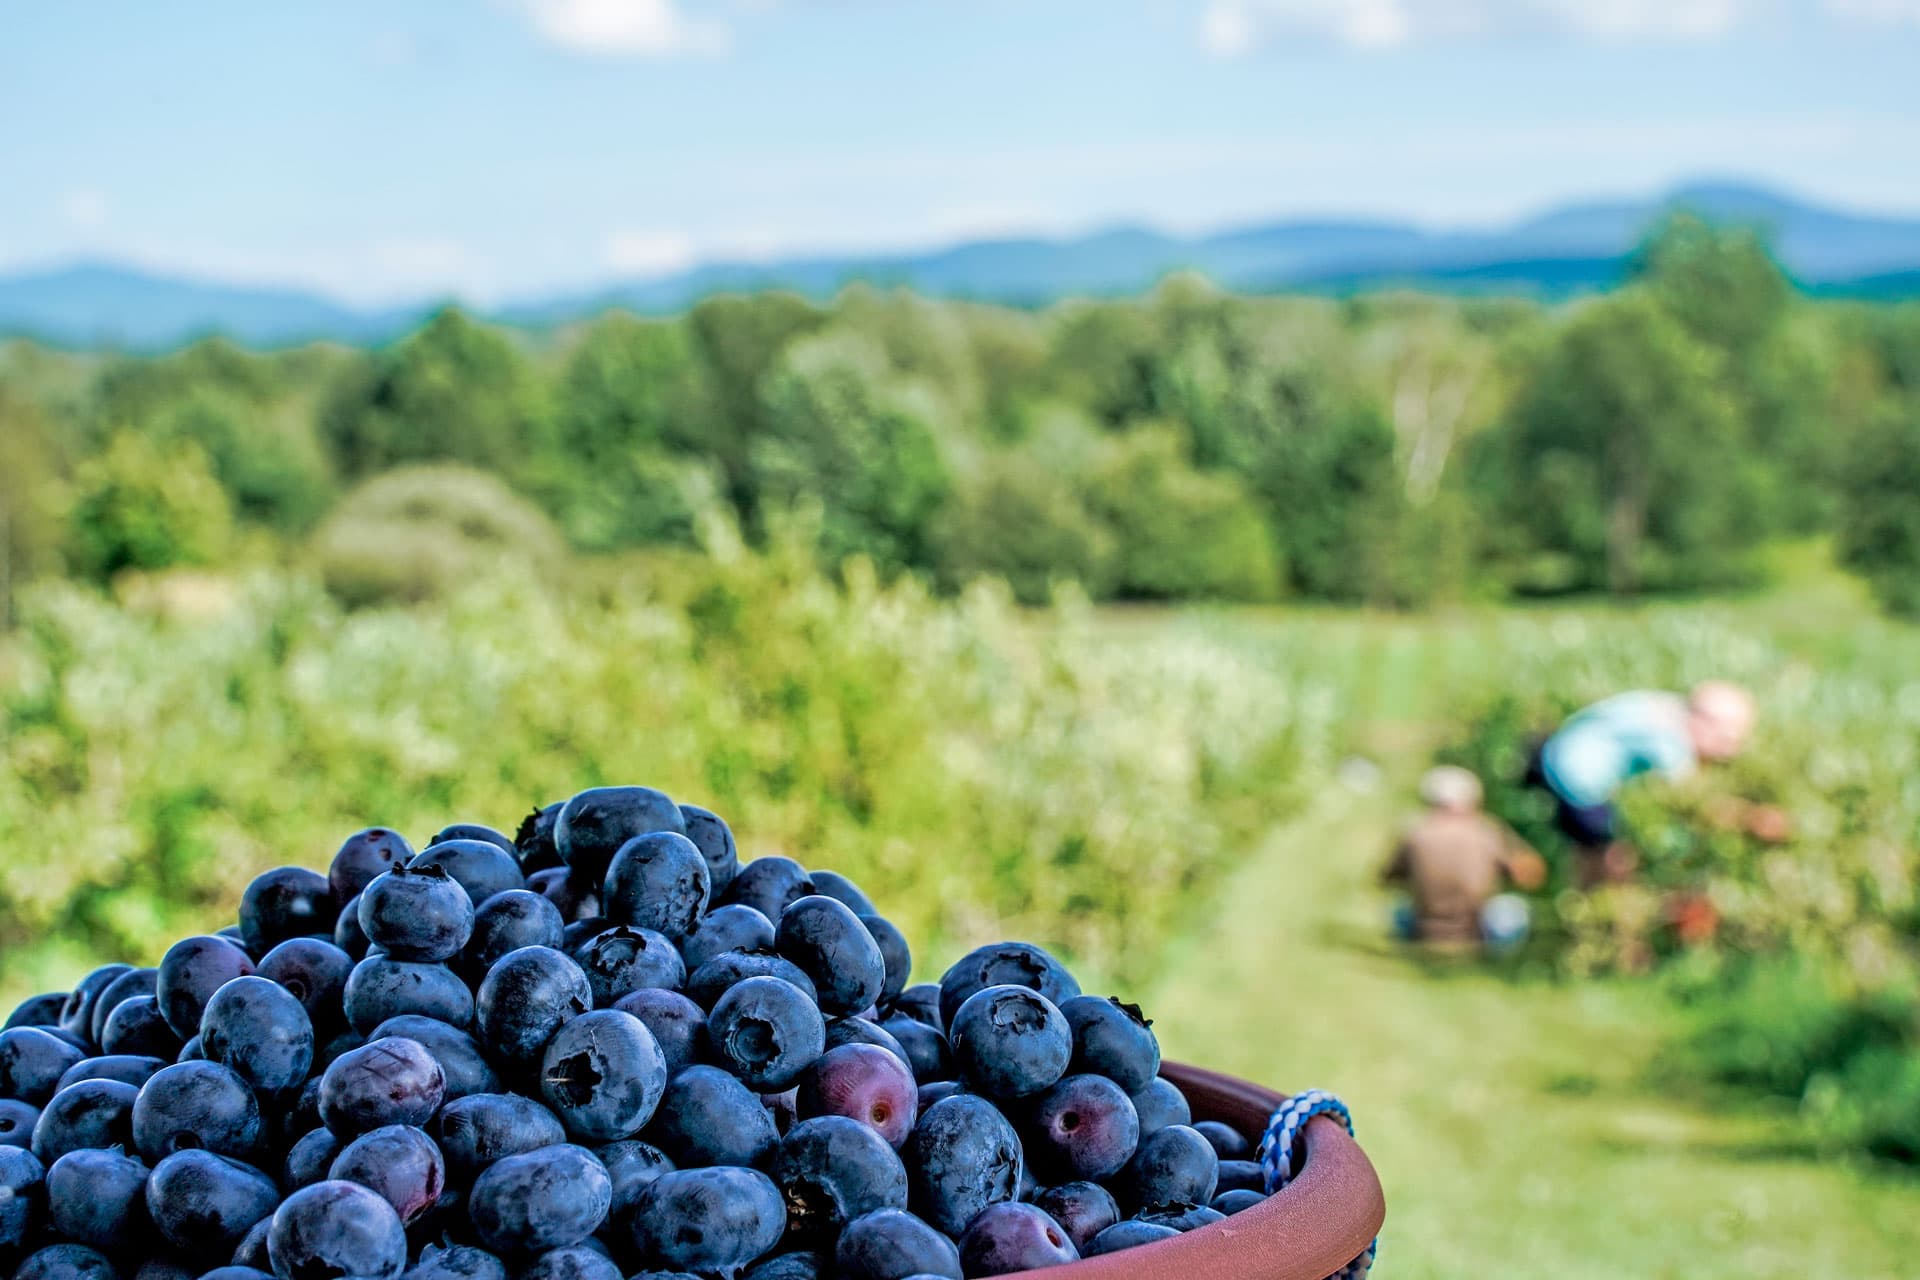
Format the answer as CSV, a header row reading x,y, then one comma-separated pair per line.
x,y
1880,527
980,776
145,505
420,533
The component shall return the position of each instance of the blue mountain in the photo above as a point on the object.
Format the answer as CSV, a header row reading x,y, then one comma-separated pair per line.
x,y
1568,250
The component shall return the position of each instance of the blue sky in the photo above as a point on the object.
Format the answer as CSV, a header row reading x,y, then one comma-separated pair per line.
x,y
504,148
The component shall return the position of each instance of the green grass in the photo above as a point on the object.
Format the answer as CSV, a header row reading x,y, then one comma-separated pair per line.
x,y
1518,1126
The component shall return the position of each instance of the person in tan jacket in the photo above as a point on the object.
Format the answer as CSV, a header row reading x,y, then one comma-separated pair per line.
x,y
1455,862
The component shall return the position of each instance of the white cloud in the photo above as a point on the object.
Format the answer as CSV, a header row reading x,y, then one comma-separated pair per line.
x,y
1885,12
85,209
646,254
1230,28
645,28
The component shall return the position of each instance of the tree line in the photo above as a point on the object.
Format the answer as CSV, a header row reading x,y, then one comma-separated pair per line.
x,y
1389,449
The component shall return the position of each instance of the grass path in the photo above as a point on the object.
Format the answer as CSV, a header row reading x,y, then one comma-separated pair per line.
x,y
1514,1126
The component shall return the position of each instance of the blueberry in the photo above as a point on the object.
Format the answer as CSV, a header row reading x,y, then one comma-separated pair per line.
x,y
99,1199
390,1081
1083,1209
595,823
473,831
857,1030
37,1011
921,1002
259,1030
844,891
461,1061
364,855
708,1220
934,1090
18,1118
1010,1041
1160,1104
136,1026
730,928
457,1262
1172,1165
631,1164
865,1083
1238,1175
765,1031
23,1195
251,1255
523,1000
770,885
1018,964
891,1244
204,1203
572,894
480,867
314,972
533,840
831,946
832,1169
1238,1200
400,1164
1114,1040
134,982
961,1157
164,1268
239,1272
625,959
928,1052
92,1113
1227,1141
310,1157
287,902
895,954
578,933
66,1262
603,1075
677,1023
543,1199
1084,1127
576,1262
714,839
506,922
707,983
1013,1237
32,1062
480,1128
706,1117
1128,1234
1180,1216
76,1011
347,933
191,1052
381,987
336,1229
657,881
191,971
798,1265
196,1105
417,912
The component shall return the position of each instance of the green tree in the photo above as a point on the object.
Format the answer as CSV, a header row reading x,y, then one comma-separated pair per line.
x,y
1880,525
840,434
1180,534
739,341
1623,460
455,390
140,505
29,483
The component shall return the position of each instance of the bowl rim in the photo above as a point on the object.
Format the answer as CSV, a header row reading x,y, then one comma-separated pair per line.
x,y
1316,1225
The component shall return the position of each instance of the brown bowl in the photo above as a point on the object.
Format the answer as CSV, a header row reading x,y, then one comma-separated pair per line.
x,y
1323,1220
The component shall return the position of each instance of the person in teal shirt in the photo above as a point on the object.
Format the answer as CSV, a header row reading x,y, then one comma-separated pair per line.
x,y
1602,748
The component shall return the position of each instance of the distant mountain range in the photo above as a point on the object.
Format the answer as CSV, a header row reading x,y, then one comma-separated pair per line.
x,y
1570,250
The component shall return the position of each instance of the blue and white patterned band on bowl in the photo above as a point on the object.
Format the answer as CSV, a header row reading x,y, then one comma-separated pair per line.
x,y
1276,1154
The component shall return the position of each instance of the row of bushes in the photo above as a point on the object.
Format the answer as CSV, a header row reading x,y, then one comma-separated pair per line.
x,y
1186,445
1803,955
978,774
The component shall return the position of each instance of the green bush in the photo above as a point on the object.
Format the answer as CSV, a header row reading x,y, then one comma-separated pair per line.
x,y
142,505
421,533
1880,524
1179,534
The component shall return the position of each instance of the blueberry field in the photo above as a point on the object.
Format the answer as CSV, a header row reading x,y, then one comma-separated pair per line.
x,y
1191,807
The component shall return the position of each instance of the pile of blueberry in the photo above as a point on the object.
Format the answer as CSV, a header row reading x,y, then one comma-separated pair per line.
x,y
600,1048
